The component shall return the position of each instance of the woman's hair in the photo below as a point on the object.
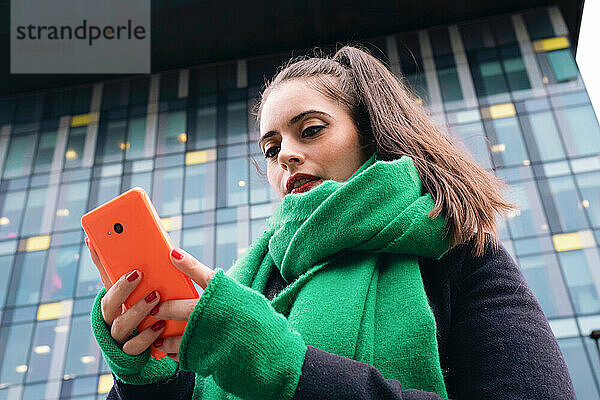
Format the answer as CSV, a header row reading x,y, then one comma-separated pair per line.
x,y
392,123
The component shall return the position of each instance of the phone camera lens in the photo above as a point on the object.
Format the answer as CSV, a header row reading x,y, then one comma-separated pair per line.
x,y
118,228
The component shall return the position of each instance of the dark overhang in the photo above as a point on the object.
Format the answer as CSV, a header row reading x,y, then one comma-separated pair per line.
x,y
186,32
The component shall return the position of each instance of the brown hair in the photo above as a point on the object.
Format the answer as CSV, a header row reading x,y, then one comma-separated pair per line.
x,y
391,122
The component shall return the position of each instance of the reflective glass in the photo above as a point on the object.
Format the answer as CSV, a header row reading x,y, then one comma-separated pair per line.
x,y
6,263
15,340
199,242
41,391
88,278
580,130
45,151
583,380
200,187
171,135
237,125
448,79
103,190
20,156
167,191
514,67
488,76
75,144
205,127
143,180
48,352
136,139
72,202
473,137
476,35
538,24
543,140
560,196
582,278
11,210
111,141
506,141
83,352
231,243
589,185
27,278
61,273
236,184
37,211
544,278
563,65
529,219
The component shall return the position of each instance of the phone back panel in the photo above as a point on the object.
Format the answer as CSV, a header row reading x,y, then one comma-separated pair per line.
x,y
143,244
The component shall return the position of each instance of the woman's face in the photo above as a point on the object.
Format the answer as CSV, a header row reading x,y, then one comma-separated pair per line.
x,y
302,131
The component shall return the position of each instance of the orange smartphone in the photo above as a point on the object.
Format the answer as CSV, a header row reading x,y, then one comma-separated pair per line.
x,y
127,234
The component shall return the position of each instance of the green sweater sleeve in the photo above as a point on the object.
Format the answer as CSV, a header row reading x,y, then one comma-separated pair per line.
x,y
235,335
136,370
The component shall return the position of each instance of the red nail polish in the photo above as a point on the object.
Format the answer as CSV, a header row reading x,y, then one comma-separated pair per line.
x,y
159,342
155,309
158,325
172,354
132,276
177,255
150,297
87,241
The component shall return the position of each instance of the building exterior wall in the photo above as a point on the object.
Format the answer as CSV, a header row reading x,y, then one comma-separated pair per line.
x,y
507,88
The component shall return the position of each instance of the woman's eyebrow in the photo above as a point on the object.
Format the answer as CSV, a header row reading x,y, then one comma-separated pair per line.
x,y
292,122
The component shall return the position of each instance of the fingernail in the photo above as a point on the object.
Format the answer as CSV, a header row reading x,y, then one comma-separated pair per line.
x,y
150,297
158,325
177,255
154,310
172,354
87,241
158,342
132,276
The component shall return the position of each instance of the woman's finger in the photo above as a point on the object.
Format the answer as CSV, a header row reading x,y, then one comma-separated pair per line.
x,y
117,294
169,344
186,263
123,326
141,342
176,310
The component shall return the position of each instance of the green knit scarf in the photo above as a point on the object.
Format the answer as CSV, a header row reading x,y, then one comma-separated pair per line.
x,y
349,252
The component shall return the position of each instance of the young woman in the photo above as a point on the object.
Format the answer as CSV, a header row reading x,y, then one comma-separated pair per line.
x,y
378,276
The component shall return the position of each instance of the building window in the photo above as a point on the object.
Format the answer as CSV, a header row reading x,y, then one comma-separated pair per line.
x,y
20,156
563,65
580,130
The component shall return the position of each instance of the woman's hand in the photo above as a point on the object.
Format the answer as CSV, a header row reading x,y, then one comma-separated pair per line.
x,y
122,323
180,310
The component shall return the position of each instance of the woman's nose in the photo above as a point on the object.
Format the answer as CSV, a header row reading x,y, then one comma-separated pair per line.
x,y
289,156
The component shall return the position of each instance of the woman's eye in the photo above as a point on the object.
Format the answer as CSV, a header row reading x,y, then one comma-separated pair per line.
x,y
313,130
269,153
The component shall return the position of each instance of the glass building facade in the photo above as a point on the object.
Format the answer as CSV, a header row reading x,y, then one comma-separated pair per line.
x,y
506,88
